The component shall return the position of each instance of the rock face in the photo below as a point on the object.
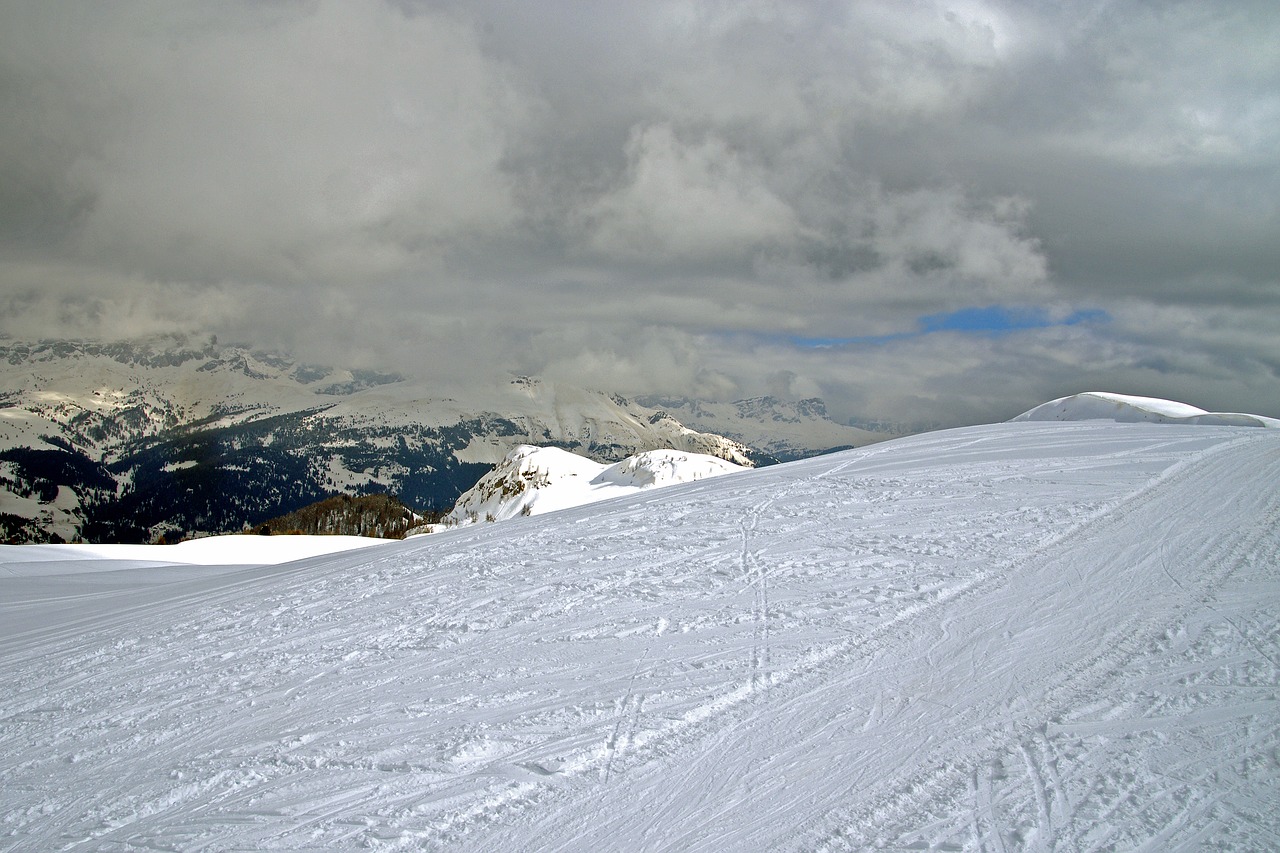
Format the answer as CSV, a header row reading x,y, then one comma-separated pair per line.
x,y
128,441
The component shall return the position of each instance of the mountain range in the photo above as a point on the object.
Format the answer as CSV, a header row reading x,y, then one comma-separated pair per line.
x,y
128,441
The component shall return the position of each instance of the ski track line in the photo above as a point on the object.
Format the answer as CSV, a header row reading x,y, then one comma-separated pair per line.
x,y
1062,801
1044,834
1146,628
702,720
984,803
755,573
913,614
693,725
631,720
1222,555
1140,497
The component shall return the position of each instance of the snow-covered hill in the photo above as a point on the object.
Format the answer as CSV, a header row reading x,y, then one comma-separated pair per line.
x,y
124,441
1123,408
534,480
1026,636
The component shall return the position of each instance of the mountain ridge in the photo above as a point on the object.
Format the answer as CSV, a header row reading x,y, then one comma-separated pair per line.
x,y
128,441
783,429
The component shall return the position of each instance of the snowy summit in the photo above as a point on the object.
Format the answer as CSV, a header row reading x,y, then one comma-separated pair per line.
x,y
533,480
1124,408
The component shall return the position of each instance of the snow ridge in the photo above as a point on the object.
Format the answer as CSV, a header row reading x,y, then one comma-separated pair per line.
x,y
534,480
1124,408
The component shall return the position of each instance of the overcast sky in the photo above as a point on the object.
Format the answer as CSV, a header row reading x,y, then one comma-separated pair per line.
x,y
920,211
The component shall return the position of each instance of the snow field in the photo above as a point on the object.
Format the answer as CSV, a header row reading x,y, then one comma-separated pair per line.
x,y
1022,636
230,550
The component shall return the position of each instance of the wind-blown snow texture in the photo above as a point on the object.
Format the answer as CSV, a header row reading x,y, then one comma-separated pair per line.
x,y
1056,636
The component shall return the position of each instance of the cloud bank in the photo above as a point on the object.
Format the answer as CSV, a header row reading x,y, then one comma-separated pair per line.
x,y
683,198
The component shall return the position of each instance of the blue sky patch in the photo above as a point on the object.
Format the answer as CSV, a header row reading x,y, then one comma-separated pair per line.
x,y
996,319
991,320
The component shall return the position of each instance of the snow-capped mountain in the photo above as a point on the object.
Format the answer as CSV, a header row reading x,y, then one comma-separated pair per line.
x,y
1124,408
1023,636
533,480
784,430
122,441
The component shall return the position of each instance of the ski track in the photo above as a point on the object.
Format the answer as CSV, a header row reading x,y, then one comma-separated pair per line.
x,y
1043,637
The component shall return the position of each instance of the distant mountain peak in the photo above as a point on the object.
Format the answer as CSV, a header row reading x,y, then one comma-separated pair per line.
x,y
533,480
778,428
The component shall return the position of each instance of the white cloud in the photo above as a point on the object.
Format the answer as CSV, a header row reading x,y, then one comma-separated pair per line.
x,y
688,200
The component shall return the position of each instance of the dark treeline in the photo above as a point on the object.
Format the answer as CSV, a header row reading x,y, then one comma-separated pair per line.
x,y
382,516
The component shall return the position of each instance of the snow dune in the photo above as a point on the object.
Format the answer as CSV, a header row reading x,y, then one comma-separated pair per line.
x,y
1026,636
1123,408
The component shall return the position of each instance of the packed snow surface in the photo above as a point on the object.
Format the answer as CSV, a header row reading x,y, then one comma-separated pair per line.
x,y
1124,408
1045,636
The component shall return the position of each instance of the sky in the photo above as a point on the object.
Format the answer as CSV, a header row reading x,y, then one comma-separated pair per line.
x,y
923,212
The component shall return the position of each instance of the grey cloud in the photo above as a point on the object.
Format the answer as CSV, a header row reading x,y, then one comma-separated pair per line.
x,y
658,197
281,142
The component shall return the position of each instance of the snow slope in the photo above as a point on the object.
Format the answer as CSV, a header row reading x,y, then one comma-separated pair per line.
x,y
1123,408
1029,636
233,550
534,480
